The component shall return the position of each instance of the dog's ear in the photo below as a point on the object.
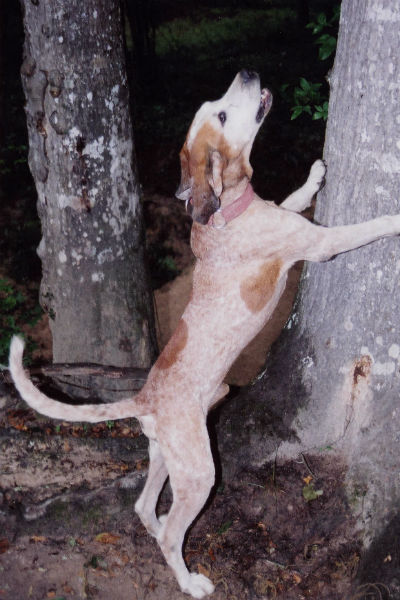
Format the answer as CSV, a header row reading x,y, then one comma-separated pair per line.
x,y
246,166
227,172
184,190
194,187
215,172
204,200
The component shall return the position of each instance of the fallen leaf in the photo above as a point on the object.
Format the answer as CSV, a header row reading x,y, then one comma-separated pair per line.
x,y
107,538
307,480
211,554
4,545
38,538
224,527
310,493
141,464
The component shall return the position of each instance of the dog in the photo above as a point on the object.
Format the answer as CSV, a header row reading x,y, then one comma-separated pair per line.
x,y
244,247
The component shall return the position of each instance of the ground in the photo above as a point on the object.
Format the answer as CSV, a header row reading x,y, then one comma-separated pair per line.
x,y
68,530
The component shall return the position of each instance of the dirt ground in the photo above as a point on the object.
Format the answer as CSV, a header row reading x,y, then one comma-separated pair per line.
x,y
68,530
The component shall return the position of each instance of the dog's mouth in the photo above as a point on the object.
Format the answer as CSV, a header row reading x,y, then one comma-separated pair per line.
x,y
265,104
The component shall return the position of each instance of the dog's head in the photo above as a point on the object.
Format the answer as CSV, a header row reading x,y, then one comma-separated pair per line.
x,y
216,152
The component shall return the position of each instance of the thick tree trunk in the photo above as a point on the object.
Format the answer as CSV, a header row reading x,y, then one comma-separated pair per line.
x,y
94,285
332,381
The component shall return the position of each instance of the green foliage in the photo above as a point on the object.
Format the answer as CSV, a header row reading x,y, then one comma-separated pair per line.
x,y
327,46
327,40
14,312
311,98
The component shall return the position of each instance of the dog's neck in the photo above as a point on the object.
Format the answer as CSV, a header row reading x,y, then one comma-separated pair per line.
x,y
234,202
234,192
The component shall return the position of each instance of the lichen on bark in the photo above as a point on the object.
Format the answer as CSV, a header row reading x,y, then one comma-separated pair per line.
x,y
95,286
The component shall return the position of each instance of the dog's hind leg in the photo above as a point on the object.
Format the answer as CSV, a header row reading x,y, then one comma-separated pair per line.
x,y
301,198
191,480
145,506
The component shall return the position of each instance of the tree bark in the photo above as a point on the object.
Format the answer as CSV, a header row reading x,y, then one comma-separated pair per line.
x,y
95,286
331,384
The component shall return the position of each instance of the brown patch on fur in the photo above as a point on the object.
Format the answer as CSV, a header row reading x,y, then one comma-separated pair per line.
x,y
258,289
176,344
207,140
185,172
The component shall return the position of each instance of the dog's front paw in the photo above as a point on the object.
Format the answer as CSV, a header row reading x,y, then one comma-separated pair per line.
x,y
316,178
198,585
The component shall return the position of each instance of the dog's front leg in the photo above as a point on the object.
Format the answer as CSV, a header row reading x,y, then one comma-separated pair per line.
x,y
301,198
325,242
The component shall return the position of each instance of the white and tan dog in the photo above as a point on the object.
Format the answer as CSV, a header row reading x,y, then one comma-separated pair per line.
x,y
244,247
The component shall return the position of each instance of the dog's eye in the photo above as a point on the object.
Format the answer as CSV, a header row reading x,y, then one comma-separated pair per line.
x,y
222,117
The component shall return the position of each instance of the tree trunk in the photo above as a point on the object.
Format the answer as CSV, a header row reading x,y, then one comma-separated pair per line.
x,y
95,286
332,380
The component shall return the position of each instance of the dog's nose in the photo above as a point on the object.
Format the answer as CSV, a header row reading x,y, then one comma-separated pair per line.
x,y
248,75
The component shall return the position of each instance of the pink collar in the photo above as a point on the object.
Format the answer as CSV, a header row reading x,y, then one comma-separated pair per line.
x,y
223,215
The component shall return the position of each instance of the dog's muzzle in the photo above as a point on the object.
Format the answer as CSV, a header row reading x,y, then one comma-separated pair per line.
x,y
202,215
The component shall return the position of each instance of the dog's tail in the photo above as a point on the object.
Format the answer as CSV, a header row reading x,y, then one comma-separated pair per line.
x,y
59,410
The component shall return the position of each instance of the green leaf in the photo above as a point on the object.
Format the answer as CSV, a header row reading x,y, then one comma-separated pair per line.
x,y
316,116
296,112
309,493
224,527
305,84
327,45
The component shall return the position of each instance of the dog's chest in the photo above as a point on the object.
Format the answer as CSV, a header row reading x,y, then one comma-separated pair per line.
x,y
227,245
247,237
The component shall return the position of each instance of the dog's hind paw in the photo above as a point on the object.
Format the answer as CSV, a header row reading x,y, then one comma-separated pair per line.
x,y
198,585
316,178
